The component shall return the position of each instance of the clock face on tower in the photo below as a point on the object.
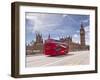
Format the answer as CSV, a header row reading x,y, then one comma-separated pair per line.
x,y
82,32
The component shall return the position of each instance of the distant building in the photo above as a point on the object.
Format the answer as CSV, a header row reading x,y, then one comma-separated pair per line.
x,y
37,46
76,46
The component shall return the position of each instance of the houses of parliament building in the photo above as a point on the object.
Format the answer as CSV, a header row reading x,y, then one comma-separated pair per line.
x,y
37,46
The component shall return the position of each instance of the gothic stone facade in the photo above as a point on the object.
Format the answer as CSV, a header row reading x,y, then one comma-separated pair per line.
x,y
37,46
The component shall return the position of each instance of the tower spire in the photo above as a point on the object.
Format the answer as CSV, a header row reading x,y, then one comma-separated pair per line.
x,y
82,25
49,36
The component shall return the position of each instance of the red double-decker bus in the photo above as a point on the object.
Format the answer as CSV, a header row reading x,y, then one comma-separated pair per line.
x,y
54,47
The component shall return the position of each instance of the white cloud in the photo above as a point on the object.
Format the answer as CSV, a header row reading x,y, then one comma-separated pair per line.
x,y
87,34
75,35
76,38
72,20
85,21
77,31
87,29
64,15
43,22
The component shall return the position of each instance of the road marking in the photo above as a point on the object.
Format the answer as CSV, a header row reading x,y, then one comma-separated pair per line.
x,y
54,62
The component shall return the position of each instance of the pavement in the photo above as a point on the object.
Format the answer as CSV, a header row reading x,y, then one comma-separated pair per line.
x,y
72,58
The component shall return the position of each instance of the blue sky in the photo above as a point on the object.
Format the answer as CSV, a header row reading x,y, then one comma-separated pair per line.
x,y
57,25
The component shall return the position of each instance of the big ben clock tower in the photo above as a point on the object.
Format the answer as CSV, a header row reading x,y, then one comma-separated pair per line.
x,y
82,35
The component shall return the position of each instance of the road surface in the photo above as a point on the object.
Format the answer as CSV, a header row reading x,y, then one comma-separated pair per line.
x,y
72,58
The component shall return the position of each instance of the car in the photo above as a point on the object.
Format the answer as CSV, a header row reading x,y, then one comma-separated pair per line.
x,y
55,47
